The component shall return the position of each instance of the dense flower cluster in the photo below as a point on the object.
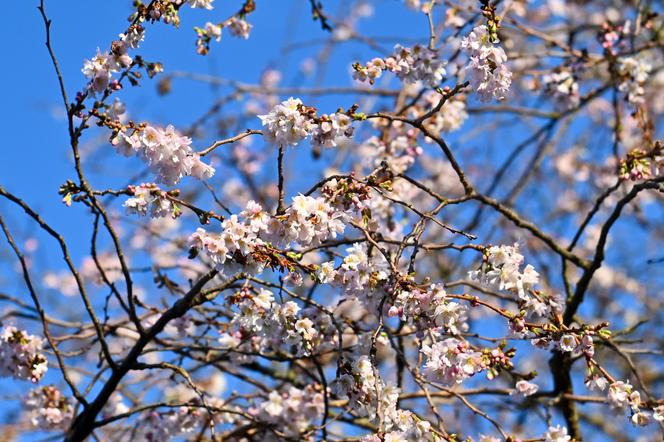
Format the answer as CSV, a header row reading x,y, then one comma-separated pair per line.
x,y
292,411
621,395
48,409
362,274
168,153
489,75
331,128
360,382
351,290
262,324
20,355
286,124
634,72
149,197
411,65
502,268
100,68
407,427
308,221
290,122
160,426
451,361
239,27
430,309
204,4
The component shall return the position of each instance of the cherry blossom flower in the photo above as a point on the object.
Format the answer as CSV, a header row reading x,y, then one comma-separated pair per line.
x,y
205,4
524,388
557,434
635,73
48,409
20,355
239,27
168,154
150,197
564,89
450,361
285,125
489,75
411,65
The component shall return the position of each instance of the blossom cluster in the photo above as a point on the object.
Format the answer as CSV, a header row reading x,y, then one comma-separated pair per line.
x,y
237,26
292,411
308,221
451,361
489,75
502,268
621,394
398,153
290,122
408,427
430,308
203,4
167,153
641,164
149,197
20,355
362,274
557,434
564,89
411,65
634,74
263,325
578,346
359,381
525,388
160,426
100,68
450,117
48,409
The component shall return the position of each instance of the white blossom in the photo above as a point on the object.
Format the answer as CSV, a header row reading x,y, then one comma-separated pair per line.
x,y
148,197
411,65
450,361
285,124
557,434
564,89
167,153
619,394
205,4
239,27
20,355
48,409
293,411
524,388
634,72
489,74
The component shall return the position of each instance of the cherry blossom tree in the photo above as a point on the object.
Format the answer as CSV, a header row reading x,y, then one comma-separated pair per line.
x,y
456,238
